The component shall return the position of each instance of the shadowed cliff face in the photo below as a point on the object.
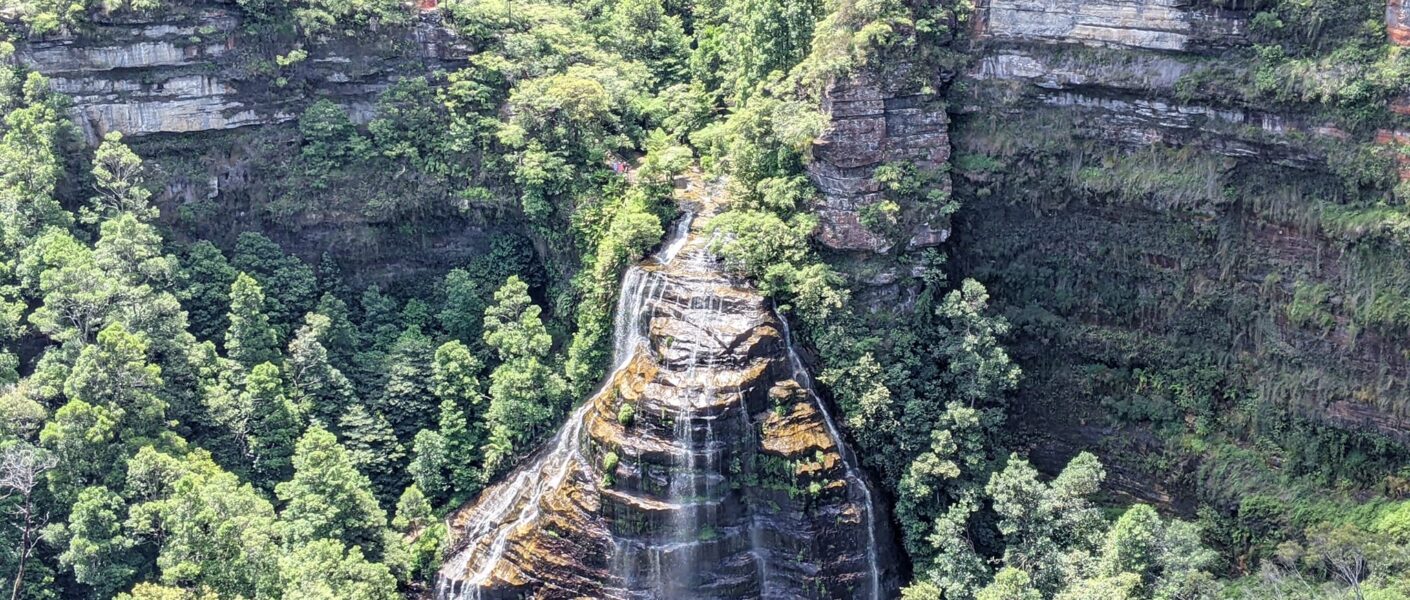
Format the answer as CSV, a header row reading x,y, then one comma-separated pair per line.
x,y
728,481
1142,216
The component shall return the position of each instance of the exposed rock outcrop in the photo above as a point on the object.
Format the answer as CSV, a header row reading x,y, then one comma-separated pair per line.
x,y
194,68
872,123
1149,24
728,481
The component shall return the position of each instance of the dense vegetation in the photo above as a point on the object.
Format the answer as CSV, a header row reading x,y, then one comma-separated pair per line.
x,y
182,418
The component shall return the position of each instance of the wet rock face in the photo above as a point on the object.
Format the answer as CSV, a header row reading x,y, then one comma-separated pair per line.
x,y
872,124
188,70
725,483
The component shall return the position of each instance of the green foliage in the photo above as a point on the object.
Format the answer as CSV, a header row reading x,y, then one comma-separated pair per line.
x,y
410,124
461,413
214,531
374,449
95,546
317,387
330,140
406,398
430,463
206,277
520,138
1009,584
325,569
329,500
414,520
250,340
1039,521
275,424
525,393
117,176
413,511
35,135
289,284
1309,306
765,37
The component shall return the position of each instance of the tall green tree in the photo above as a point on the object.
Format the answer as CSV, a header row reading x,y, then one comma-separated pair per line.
x,y
84,439
375,449
289,284
328,498
251,340
77,295
406,399
317,387
114,373
31,164
118,181
430,464
325,569
457,385
275,424
524,391
204,291
941,476
1040,521
95,546
213,531
463,314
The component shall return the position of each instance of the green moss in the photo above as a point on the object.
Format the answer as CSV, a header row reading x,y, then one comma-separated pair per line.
x,y
1309,304
626,415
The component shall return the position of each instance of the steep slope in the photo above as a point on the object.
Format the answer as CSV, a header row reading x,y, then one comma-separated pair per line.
x,y
1191,243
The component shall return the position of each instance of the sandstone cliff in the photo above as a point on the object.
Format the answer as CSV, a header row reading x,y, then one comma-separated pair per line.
x,y
197,67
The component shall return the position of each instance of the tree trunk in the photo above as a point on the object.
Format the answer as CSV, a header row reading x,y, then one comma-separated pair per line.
x,y
24,549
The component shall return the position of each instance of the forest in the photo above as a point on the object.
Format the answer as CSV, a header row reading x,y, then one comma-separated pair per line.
x,y
193,407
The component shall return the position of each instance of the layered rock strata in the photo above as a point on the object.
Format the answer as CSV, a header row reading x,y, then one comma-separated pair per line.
x,y
193,67
1150,285
874,121
703,468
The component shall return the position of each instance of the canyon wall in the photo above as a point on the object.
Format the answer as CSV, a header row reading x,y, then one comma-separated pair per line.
x,y
209,97
1174,249
194,67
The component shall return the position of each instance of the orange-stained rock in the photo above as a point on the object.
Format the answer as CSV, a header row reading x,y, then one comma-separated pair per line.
x,y
1398,22
726,482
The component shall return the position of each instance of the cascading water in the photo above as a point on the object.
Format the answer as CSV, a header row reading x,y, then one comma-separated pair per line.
x,y
800,374
525,491
731,481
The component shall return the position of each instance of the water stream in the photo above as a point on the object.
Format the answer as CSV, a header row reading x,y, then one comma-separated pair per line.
x,y
663,564
854,476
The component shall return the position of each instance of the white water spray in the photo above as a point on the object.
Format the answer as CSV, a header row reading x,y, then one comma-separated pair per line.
x,y
488,531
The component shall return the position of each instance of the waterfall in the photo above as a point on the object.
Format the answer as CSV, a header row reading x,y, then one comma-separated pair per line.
x,y
677,239
490,529
854,476
698,353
